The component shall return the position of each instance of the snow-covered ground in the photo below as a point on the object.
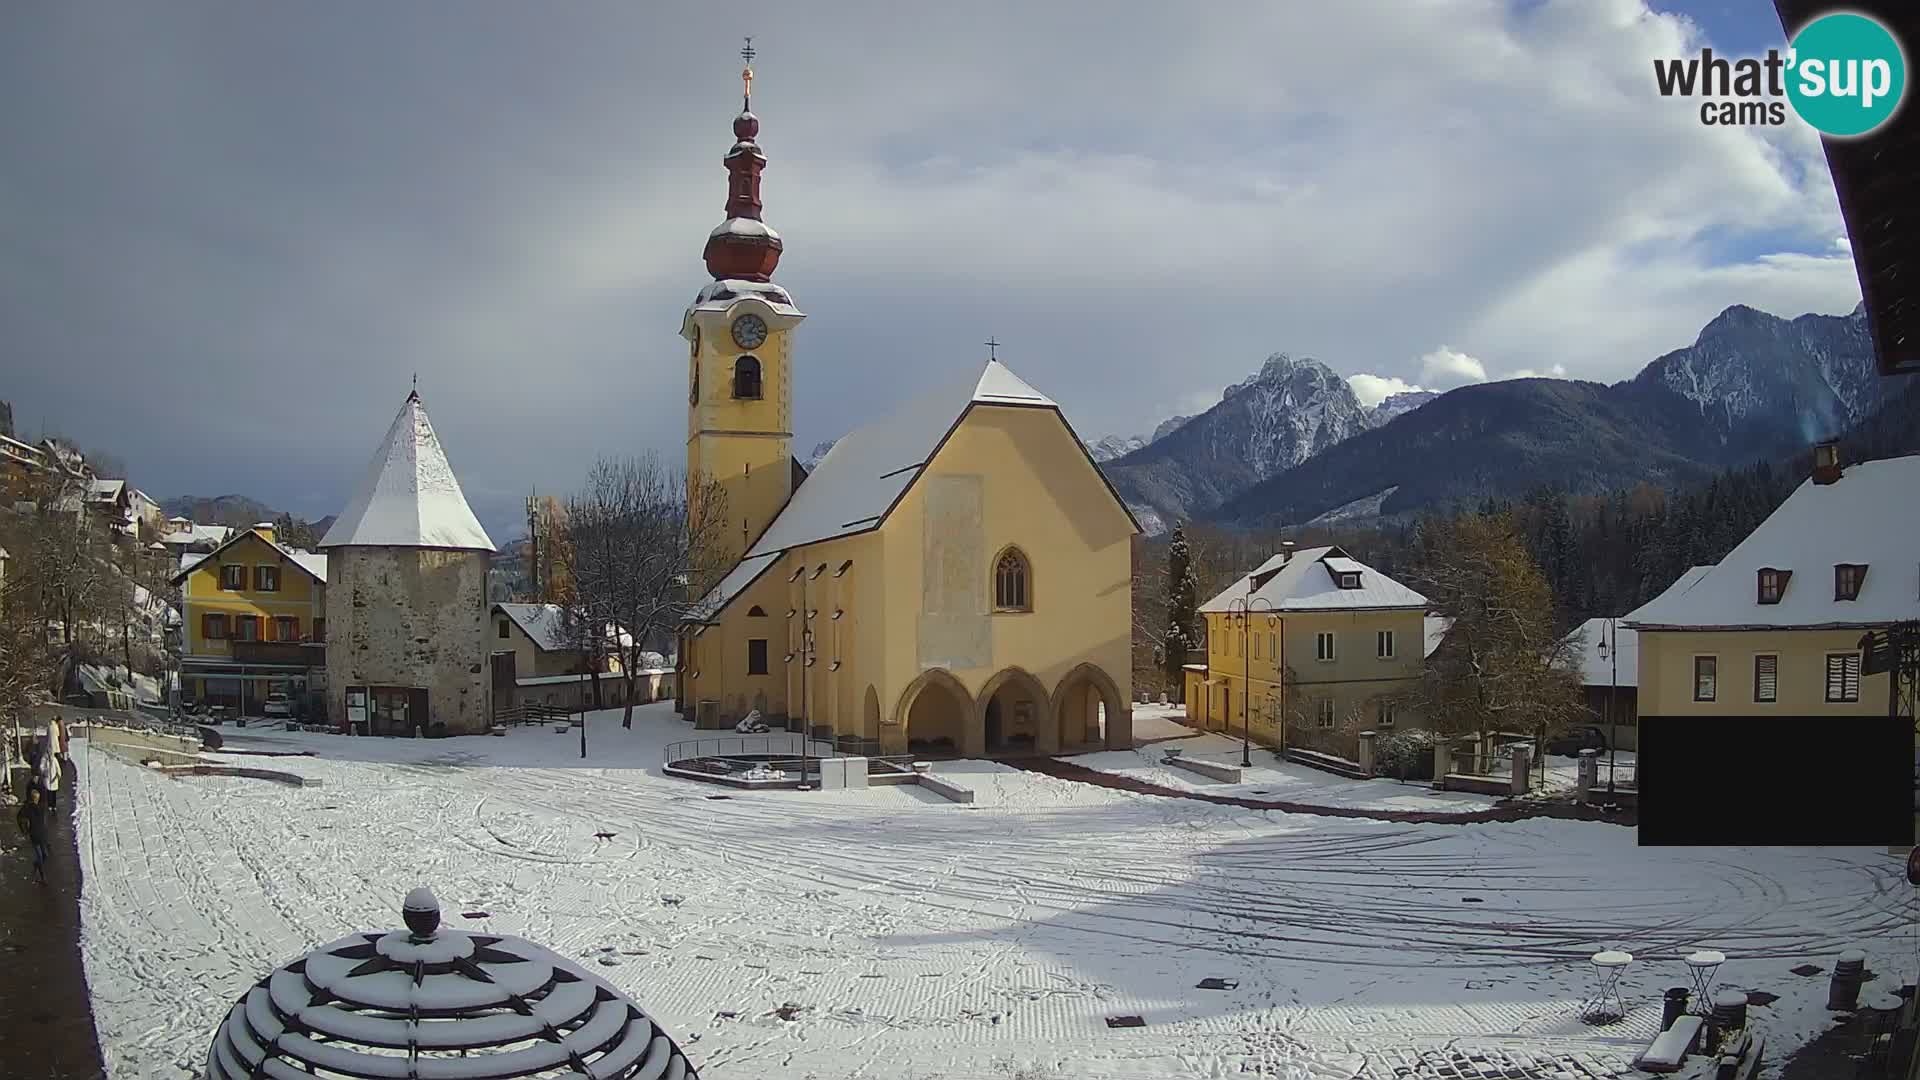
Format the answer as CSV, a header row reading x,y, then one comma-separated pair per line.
x,y
919,938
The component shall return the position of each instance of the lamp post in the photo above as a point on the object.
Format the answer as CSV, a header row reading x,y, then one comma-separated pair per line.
x,y
1610,652
1242,609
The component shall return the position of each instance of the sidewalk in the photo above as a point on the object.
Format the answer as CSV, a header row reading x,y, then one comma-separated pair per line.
x,y
46,1017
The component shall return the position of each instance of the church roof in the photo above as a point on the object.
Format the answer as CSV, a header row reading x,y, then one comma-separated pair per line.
x,y
410,497
869,470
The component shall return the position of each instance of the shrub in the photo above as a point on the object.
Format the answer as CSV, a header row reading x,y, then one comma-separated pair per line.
x,y
1405,755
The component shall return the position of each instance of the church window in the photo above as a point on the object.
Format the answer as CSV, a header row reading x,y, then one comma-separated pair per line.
x,y
757,656
1012,589
746,378
756,612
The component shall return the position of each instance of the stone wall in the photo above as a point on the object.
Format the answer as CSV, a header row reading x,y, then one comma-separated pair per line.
x,y
413,617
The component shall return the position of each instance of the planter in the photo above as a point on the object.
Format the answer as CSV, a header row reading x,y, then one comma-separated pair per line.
x,y
923,767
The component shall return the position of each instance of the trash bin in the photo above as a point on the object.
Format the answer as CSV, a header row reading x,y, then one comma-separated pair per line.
x,y
1673,1006
1848,973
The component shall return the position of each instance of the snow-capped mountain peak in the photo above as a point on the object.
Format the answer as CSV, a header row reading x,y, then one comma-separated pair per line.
x,y
1399,404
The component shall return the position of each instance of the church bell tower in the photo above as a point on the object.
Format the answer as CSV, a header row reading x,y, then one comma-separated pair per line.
x,y
739,334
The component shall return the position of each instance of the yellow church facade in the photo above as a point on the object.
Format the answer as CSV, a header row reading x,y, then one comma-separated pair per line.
x,y
952,578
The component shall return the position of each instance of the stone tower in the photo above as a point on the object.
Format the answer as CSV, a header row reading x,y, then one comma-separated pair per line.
x,y
739,331
407,593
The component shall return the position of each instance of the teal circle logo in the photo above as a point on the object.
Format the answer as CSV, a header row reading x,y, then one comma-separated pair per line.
x,y
1846,74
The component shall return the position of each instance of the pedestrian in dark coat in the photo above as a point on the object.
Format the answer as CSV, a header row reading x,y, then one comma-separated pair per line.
x,y
32,821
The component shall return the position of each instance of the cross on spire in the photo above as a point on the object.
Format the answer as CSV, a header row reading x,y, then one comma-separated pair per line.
x,y
993,348
746,76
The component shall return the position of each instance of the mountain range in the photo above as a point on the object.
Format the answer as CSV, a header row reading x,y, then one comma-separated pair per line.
x,y
236,511
1293,445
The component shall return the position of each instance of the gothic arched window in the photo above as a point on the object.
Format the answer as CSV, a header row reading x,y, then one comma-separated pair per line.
x,y
1012,584
746,378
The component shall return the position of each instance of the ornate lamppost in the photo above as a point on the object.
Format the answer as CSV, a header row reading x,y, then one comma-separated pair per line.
x,y
1241,611
1610,652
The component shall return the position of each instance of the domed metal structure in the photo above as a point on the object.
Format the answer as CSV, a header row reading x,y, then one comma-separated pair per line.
x,y
431,1002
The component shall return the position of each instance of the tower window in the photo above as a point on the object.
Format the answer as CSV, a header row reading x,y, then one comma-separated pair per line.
x,y
1010,585
746,378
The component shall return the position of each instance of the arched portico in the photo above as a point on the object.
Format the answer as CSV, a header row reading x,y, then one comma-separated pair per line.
x,y
1012,714
934,713
1085,697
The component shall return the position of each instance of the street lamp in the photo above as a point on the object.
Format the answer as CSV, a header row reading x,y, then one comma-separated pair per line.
x,y
1610,652
1242,609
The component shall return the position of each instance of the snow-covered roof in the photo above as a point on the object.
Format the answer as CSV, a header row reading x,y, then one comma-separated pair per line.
x,y
735,226
1621,665
742,575
722,294
1869,517
409,497
108,490
1436,627
869,468
546,626
196,534
1306,583
313,562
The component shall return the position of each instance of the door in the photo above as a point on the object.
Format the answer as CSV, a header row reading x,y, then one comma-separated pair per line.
x,y
993,725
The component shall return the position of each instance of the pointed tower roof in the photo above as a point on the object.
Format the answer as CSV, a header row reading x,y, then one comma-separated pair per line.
x,y
410,497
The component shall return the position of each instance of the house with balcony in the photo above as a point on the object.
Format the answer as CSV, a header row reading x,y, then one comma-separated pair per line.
x,y
1310,649
537,659
254,623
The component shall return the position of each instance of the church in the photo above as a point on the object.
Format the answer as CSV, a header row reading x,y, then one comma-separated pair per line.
x,y
954,577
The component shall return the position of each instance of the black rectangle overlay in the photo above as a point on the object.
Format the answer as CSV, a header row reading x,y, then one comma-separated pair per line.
x,y
1775,781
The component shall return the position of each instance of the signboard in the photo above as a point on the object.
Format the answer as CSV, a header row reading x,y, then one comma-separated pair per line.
x,y
356,706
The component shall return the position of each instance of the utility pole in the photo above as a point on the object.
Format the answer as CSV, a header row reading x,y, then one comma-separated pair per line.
x,y
533,540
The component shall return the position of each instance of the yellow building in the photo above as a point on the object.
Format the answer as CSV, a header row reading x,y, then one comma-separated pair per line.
x,y
1774,628
1310,649
953,577
254,621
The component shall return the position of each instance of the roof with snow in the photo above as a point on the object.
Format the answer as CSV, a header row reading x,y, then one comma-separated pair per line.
x,y
722,294
458,1005
546,626
1618,664
313,562
1436,632
737,226
107,490
1869,517
1306,583
409,496
869,470
196,534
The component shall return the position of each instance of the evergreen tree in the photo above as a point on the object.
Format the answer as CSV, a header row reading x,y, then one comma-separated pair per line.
x,y
1182,620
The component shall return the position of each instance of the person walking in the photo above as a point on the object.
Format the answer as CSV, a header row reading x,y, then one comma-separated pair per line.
x,y
50,774
32,821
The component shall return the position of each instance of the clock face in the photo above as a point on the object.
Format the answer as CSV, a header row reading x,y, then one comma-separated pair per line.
x,y
749,332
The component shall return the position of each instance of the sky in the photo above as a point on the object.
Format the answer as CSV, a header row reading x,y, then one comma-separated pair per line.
x,y
232,234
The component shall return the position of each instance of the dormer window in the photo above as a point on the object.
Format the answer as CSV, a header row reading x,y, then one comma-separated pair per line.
x,y
1773,584
1347,581
1847,579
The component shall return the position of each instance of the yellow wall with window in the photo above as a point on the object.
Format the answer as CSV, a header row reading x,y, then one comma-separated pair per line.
x,y
1667,672
252,579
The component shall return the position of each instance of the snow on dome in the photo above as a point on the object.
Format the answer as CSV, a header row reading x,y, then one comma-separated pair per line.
x,y
439,1003
738,226
722,294
410,497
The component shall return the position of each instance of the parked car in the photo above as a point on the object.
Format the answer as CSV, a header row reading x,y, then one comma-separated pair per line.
x,y
278,707
1575,739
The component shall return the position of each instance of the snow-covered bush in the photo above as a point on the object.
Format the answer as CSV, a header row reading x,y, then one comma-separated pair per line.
x,y
1405,755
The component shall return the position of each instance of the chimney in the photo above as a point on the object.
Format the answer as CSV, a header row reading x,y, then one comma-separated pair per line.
x,y
1826,461
1286,551
265,529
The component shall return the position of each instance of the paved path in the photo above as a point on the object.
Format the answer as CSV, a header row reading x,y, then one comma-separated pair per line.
x,y
46,1018
1066,770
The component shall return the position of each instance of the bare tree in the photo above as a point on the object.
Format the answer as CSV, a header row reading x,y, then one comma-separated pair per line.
x,y
1501,667
645,542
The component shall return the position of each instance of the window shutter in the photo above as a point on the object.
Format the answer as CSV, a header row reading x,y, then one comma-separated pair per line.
x,y
206,626
268,635
1843,677
1766,678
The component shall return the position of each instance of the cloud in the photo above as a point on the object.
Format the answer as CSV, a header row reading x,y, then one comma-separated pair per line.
x,y
1557,371
1373,389
512,203
1449,367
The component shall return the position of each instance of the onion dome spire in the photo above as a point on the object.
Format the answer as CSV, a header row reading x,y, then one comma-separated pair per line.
x,y
743,247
